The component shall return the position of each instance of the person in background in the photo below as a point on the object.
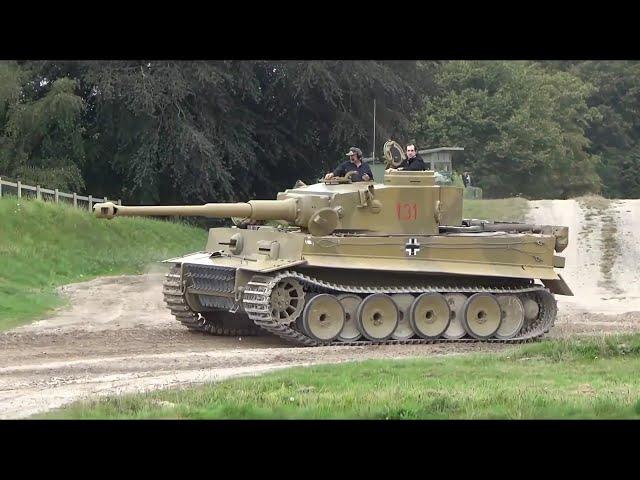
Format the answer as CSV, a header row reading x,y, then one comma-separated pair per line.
x,y
466,179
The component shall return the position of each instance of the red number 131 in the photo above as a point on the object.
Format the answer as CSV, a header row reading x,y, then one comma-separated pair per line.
x,y
407,212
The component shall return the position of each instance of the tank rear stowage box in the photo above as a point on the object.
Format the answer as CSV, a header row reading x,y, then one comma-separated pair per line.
x,y
361,263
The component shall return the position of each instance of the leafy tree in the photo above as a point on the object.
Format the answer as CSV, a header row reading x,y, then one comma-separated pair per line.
x,y
317,110
184,131
523,128
41,131
229,130
615,135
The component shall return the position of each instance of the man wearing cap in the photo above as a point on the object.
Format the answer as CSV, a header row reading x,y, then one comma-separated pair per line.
x,y
355,163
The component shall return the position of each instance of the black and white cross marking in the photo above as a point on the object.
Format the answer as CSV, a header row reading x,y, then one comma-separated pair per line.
x,y
412,247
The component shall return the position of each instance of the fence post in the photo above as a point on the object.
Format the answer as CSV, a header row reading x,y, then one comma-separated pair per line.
x,y
119,202
0,186
38,192
56,195
90,202
19,189
75,199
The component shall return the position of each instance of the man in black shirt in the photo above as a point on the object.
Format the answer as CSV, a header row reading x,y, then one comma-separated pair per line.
x,y
355,163
413,162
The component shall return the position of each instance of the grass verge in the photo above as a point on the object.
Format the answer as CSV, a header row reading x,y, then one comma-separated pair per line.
x,y
45,245
501,209
559,379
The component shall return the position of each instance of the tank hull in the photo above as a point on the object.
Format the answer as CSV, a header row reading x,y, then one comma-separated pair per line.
x,y
241,282
493,254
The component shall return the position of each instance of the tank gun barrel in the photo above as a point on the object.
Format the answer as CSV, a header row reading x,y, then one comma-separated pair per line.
x,y
255,209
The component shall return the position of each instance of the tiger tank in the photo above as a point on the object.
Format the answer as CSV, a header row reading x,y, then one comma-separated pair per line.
x,y
359,263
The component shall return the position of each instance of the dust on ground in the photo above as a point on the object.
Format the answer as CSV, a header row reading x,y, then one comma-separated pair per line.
x,y
602,257
117,337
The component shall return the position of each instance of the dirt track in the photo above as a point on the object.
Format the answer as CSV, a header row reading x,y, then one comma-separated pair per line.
x,y
117,337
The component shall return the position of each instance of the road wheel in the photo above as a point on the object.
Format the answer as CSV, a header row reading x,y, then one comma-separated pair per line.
x,y
481,316
512,316
377,317
456,304
430,315
350,303
404,329
323,318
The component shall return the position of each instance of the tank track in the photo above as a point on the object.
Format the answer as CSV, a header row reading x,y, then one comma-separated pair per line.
x,y
257,304
176,303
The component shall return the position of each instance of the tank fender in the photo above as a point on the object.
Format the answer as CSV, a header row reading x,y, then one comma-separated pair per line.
x,y
558,286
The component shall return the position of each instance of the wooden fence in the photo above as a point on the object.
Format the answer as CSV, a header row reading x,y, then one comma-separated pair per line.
x,y
28,191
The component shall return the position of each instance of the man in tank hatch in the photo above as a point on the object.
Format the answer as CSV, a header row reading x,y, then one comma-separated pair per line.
x,y
414,161
355,163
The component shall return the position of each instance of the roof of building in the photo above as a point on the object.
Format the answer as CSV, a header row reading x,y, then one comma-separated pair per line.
x,y
441,149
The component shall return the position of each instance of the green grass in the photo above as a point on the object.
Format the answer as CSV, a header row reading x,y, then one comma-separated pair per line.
x,y
507,209
44,245
576,379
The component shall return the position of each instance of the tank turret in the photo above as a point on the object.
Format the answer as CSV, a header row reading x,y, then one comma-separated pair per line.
x,y
406,202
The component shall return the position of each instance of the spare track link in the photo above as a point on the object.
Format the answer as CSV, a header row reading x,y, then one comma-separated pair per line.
x,y
174,299
257,304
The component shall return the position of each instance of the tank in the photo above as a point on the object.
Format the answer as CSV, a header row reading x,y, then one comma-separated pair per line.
x,y
358,263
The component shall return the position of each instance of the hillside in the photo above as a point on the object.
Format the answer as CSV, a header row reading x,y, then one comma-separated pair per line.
x,y
43,246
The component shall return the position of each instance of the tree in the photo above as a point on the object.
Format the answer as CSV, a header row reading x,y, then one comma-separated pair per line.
x,y
523,128
41,138
230,130
314,111
615,135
